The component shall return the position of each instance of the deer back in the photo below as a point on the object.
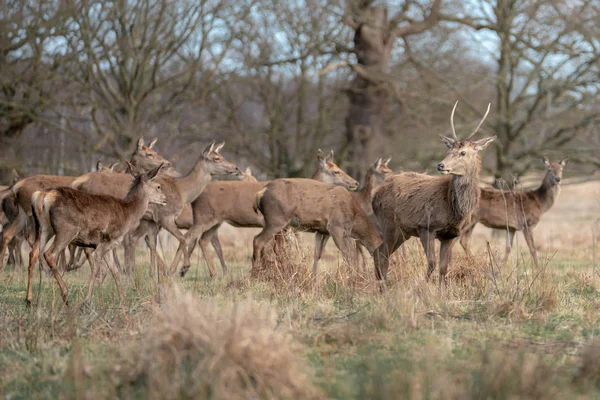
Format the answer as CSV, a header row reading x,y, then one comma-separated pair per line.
x,y
25,188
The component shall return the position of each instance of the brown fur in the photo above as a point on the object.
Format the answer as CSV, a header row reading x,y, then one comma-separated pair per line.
x,y
411,204
89,220
318,207
516,210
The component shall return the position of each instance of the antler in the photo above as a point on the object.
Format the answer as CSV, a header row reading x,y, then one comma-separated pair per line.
x,y
452,121
481,123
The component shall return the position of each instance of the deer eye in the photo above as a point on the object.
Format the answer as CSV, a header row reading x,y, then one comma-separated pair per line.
x,y
149,155
463,153
336,172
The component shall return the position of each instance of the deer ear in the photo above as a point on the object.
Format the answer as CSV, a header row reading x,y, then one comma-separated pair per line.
x,y
208,149
140,144
483,143
564,162
386,162
132,170
330,156
219,147
447,141
113,166
321,157
546,161
248,171
153,172
377,163
15,175
99,166
153,142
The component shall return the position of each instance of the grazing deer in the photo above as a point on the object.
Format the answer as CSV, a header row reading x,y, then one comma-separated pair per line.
x,y
319,207
89,220
514,211
233,202
179,191
143,157
428,207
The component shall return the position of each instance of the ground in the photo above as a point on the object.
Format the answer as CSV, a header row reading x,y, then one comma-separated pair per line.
x,y
495,331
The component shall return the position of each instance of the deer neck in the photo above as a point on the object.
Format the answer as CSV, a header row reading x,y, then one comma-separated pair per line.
x,y
365,195
547,195
320,176
192,185
464,193
136,202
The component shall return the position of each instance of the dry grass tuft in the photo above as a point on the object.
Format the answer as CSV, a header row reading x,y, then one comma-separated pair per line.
x,y
196,349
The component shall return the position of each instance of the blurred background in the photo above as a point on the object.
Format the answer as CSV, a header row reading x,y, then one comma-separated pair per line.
x,y
82,80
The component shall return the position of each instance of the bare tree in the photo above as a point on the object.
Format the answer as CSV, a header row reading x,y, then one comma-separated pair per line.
x,y
140,62
375,34
546,74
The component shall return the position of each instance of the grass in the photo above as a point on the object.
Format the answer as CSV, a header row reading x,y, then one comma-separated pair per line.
x,y
493,332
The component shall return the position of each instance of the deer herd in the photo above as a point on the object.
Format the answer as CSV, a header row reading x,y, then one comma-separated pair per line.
x,y
92,214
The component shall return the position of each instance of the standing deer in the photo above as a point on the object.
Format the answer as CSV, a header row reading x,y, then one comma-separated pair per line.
x,y
179,191
233,202
143,157
319,207
428,207
514,211
88,220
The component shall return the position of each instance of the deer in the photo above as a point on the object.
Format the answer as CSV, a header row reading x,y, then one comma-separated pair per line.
x,y
430,207
179,191
143,157
233,202
8,212
89,220
328,210
514,211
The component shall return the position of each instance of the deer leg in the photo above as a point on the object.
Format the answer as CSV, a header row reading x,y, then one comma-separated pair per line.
x,y
320,243
9,231
39,243
465,239
169,225
445,258
428,241
528,233
381,256
192,235
260,241
114,271
510,237
61,241
213,233
151,242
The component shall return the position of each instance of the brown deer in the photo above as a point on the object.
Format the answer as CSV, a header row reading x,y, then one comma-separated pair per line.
x,y
317,207
514,211
233,202
89,220
8,213
428,207
143,157
179,191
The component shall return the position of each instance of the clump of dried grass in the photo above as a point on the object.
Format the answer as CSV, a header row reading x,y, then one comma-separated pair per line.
x,y
196,349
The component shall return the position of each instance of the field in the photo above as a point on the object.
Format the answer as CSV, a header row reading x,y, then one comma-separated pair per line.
x,y
495,331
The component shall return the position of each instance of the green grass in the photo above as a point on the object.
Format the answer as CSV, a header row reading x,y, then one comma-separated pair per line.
x,y
521,334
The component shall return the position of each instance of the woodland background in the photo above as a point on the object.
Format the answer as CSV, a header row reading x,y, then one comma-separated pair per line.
x,y
81,80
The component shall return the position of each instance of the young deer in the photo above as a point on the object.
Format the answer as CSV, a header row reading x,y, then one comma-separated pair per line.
x,y
233,202
88,220
411,204
179,191
316,207
516,210
143,156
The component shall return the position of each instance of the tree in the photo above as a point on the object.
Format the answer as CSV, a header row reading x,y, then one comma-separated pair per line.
x,y
369,93
546,77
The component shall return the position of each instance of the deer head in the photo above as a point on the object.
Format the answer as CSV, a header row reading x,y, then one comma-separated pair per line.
x,y
145,158
246,176
463,155
15,177
554,171
100,167
332,174
215,163
380,170
151,188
